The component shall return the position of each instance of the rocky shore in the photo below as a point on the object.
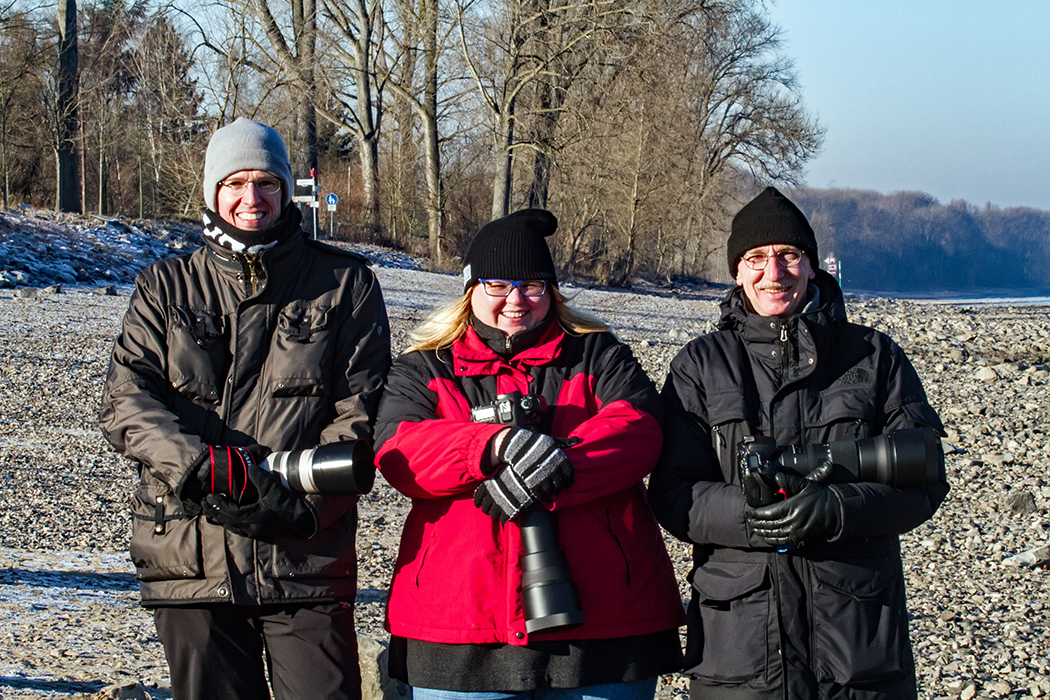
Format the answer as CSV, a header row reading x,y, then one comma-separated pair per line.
x,y
70,626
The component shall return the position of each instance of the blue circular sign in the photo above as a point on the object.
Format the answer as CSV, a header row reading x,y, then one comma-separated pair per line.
x,y
332,199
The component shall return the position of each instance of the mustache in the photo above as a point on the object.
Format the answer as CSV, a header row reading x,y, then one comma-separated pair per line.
x,y
776,287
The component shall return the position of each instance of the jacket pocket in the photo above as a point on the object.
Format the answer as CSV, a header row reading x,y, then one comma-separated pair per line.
x,y
330,554
300,351
165,543
735,614
858,623
198,353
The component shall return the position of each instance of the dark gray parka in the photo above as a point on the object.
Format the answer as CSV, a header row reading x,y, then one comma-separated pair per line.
x,y
826,619
287,349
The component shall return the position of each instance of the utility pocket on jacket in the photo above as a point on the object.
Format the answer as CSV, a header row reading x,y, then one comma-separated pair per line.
x,y
300,351
735,614
328,554
857,625
198,353
165,543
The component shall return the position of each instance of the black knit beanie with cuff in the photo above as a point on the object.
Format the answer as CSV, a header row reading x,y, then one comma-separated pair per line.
x,y
512,248
770,219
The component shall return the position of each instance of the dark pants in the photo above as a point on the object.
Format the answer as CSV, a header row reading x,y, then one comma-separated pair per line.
x,y
224,652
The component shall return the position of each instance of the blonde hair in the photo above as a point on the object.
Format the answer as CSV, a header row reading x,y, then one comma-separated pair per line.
x,y
449,323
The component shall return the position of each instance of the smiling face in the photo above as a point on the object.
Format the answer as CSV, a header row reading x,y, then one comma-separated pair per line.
x,y
776,289
252,209
511,314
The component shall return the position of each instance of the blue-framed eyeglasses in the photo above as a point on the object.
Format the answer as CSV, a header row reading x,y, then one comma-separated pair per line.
x,y
502,288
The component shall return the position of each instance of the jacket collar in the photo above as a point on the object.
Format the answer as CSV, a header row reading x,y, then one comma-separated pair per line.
x,y
277,262
829,310
473,356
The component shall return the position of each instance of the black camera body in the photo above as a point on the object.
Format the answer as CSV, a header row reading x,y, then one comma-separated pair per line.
x,y
900,459
548,594
513,409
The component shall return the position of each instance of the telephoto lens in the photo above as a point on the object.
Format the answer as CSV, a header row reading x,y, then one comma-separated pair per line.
x,y
911,457
340,468
548,593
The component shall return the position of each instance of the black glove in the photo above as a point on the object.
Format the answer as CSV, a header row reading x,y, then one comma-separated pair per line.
x,y
224,470
536,470
538,460
811,511
276,512
503,495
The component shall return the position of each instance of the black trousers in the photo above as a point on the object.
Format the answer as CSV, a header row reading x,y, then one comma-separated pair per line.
x,y
225,652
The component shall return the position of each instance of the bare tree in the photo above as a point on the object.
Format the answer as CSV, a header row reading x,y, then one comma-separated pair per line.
x,y
418,35
169,122
67,182
502,57
297,57
20,54
359,27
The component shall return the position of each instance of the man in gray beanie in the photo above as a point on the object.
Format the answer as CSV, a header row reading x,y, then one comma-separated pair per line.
x,y
798,585
259,341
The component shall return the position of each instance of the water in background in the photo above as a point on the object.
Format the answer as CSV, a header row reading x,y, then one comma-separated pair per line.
x,y
1004,297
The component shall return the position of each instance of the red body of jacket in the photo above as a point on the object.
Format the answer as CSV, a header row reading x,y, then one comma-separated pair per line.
x,y
458,573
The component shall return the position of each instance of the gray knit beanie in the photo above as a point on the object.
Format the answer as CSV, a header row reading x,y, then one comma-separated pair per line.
x,y
245,145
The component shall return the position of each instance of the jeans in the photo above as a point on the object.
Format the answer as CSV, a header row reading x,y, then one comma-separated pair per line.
x,y
637,690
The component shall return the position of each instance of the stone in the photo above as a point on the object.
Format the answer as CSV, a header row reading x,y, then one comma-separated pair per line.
x,y
376,684
25,293
1020,503
986,374
129,691
1040,556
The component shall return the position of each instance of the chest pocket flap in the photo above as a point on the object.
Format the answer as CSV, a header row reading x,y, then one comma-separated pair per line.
x,y
198,352
301,350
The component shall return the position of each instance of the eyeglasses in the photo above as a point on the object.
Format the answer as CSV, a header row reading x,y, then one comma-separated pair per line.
x,y
788,257
502,288
263,186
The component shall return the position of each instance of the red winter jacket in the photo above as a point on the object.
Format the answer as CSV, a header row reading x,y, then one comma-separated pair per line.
x,y
458,574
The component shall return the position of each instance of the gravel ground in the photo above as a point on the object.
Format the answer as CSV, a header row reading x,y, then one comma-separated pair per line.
x,y
70,625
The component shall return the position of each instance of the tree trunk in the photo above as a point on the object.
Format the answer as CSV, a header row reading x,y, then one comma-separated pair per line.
x,y
67,184
501,180
430,132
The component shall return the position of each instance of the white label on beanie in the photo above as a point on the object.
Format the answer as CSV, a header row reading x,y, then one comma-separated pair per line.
x,y
466,274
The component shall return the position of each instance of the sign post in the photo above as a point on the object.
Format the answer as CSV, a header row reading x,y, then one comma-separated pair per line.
x,y
834,268
311,198
332,199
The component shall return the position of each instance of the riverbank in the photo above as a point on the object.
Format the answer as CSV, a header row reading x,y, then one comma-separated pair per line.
x,y
69,623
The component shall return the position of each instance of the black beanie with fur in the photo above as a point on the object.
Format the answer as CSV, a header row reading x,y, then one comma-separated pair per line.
x,y
512,248
770,219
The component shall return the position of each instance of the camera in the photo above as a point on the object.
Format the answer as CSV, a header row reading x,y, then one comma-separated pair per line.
x,y
340,468
510,409
549,596
911,457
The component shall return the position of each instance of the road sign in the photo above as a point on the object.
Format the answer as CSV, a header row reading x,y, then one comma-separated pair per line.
x,y
332,199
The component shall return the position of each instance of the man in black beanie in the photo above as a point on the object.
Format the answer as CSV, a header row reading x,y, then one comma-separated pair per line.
x,y
260,340
798,588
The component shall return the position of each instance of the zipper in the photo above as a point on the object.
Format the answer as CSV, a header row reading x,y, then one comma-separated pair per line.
x,y
251,271
623,552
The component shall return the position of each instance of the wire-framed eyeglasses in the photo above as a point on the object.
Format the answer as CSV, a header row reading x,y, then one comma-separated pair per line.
x,y
266,185
502,288
788,257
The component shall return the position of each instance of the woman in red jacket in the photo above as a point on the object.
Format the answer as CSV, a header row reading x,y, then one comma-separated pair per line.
x,y
455,609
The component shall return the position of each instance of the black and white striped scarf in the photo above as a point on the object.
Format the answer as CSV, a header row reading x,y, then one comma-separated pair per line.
x,y
251,242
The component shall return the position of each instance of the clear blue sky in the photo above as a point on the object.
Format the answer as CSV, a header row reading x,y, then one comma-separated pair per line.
x,y
946,97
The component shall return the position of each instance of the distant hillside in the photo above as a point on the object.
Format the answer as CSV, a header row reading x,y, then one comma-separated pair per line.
x,y
910,242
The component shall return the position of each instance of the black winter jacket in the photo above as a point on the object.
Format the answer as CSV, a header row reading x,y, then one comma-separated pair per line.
x,y
287,349
826,619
